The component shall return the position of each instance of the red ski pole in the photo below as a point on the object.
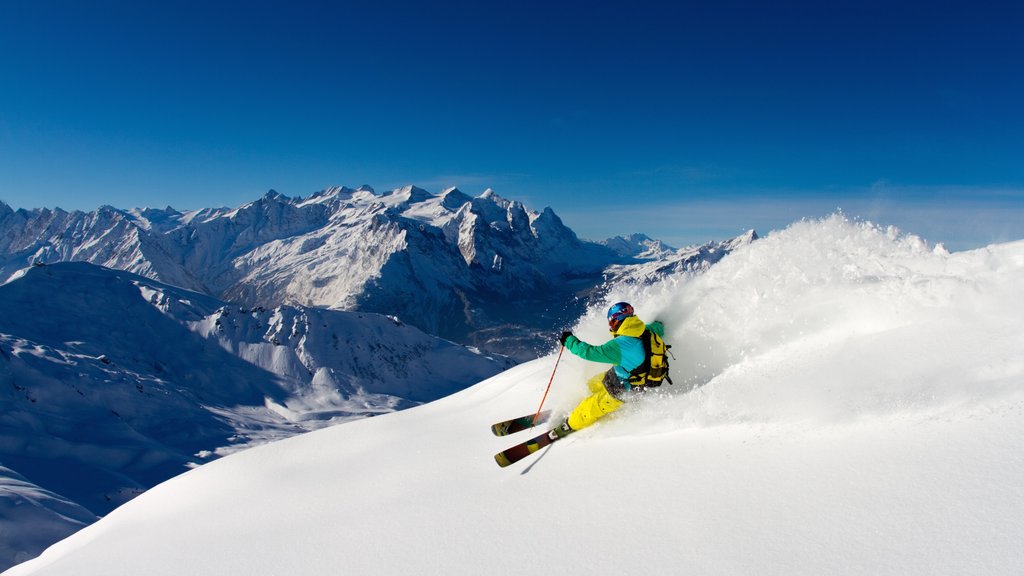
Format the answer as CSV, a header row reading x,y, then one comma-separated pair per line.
x,y
552,379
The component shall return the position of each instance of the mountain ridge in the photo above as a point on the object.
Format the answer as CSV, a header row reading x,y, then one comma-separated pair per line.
x,y
485,270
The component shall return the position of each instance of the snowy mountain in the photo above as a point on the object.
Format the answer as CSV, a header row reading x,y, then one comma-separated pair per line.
x,y
638,246
480,270
661,261
847,401
111,383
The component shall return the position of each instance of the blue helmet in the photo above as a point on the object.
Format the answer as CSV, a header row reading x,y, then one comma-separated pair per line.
x,y
617,313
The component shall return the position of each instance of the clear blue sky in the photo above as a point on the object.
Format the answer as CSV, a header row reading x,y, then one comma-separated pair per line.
x,y
688,121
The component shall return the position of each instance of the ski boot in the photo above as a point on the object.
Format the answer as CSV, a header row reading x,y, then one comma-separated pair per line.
x,y
560,431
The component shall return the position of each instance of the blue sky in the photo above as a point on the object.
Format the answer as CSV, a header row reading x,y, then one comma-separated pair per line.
x,y
688,121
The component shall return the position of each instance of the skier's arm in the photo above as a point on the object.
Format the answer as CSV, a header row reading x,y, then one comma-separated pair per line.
x,y
607,353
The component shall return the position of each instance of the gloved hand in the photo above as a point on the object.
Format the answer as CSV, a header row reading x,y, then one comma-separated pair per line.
x,y
565,336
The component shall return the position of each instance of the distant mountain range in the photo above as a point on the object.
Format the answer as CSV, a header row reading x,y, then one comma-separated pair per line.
x,y
482,270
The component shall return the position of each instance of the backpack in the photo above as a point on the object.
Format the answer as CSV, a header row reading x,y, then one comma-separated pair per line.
x,y
654,369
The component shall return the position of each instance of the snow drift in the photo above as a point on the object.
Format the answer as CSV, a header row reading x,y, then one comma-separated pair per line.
x,y
847,401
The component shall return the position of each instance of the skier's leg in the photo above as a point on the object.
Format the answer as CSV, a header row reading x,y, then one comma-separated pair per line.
x,y
598,404
596,383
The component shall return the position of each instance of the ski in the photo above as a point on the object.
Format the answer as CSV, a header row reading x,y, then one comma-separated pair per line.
x,y
520,451
519,424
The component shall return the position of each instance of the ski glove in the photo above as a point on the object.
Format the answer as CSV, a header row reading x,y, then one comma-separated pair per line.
x,y
565,336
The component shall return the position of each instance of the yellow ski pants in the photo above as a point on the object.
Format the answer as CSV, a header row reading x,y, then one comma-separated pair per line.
x,y
599,403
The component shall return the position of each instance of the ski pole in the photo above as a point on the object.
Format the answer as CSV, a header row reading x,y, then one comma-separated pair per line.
x,y
552,379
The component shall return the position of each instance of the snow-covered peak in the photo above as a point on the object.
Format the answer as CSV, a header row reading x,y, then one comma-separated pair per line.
x,y
108,213
156,219
333,193
552,234
491,196
275,195
657,260
742,240
454,199
495,210
406,196
638,246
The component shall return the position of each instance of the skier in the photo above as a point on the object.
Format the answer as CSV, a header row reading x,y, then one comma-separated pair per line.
x,y
610,389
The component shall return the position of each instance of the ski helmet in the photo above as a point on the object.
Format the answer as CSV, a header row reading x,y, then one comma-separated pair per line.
x,y
617,313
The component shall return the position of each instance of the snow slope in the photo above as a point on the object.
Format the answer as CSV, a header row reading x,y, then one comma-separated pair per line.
x,y
847,401
111,383
30,515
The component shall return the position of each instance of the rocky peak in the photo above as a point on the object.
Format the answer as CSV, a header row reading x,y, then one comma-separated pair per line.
x,y
454,199
407,195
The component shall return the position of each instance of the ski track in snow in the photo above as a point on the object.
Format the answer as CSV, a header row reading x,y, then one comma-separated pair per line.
x,y
847,401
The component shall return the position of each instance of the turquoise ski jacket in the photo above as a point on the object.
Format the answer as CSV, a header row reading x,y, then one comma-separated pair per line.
x,y
625,350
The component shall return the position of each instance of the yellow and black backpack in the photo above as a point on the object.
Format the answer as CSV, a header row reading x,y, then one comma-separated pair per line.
x,y
654,369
